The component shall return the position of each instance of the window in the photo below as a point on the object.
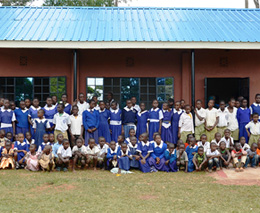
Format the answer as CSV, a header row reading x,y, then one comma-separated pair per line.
x,y
144,89
18,88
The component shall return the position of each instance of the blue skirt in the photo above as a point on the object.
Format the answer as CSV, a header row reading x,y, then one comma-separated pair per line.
x,y
124,163
153,127
190,166
91,135
140,129
103,130
173,166
145,167
161,166
167,134
134,163
175,130
21,130
116,131
242,131
8,129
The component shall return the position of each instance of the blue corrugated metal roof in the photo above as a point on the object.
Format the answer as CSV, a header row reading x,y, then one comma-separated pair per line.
x,y
129,24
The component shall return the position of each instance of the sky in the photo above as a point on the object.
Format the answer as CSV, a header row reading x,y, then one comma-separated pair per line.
x,y
178,3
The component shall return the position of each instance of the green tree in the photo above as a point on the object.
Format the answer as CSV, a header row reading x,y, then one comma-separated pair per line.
x,y
14,2
95,3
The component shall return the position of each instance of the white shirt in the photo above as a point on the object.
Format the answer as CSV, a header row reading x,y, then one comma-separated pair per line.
x,y
232,119
202,113
206,146
82,149
211,116
64,152
103,150
245,147
82,107
4,125
228,142
41,121
254,127
210,153
137,108
61,122
95,150
75,124
186,123
223,118
160,115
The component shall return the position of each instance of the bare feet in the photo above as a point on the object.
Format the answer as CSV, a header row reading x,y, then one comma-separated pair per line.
x,y
237,170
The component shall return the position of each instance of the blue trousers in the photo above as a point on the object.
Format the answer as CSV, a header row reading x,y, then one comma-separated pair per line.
x,y
252,161
212,162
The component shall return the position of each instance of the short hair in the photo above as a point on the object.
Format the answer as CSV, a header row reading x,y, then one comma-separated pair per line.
x,y
200,147
255,113
171,145
101,137
258,94
199,101
65,141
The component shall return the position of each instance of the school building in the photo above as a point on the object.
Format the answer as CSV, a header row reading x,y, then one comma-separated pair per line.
x,y
183,53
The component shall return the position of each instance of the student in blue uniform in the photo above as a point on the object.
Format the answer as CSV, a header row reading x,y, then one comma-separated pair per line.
x,y
177,111
155,119
142,119
166,124
157,160
124,157
191,150
91,122
40,126
7,118
243,118
28,103
131,134
67,106
33,114
128,118
112,153
171,158
45,142
115,121
49,112
255,107
21,114
132,146
21,147
144,148
104,116
54,100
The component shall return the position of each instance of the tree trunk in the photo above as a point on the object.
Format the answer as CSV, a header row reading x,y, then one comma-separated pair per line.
x,y
256,3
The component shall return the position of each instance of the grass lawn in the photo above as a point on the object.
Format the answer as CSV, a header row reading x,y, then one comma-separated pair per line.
x,y
89,191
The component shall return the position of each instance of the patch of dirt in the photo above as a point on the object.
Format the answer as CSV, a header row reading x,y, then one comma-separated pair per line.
x,y
51,186
241,182
148,197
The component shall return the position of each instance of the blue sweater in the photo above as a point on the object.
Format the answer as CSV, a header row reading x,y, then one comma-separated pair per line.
x,y
128,116
90,120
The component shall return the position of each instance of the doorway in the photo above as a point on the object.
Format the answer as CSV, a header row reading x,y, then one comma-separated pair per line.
x,y
226,88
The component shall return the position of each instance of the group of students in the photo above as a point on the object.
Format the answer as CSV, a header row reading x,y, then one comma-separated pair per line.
x,y
99,134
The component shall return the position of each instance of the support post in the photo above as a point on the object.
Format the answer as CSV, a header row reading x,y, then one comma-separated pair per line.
x,y
193,77
75,74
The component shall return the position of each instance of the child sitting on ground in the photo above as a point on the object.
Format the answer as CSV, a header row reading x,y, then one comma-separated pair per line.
x,y
182,158
132,146
239,157
124,157
7,159
21,147
225,156
32,162
51,139
188,140
3,139
170,157
57,145
217,138
121,140
200,159
112,152
46,159
203,142
228,139
251,156
103,147
9,136
191,150
92,153
64,155
79,152
45,142
243,143
131,134
213,157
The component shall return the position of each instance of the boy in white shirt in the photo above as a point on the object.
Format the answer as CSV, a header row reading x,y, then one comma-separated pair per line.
x,y
92,153
200,114
82,104
232,119
227,139
203,142
79,152
254,127
223,118
186,126
213,157
211,120
64,154
76,126
102,152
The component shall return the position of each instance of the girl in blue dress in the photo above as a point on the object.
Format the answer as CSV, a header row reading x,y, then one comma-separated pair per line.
x,y
67,106
134,162
142,119
7,118
157,160
243,118
115,121
171,157
21,115
124,156
177,111
144,148
166,124
49,112
112,153
45,142
191,150
155,119
104,116
21,147
33,114
41,126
